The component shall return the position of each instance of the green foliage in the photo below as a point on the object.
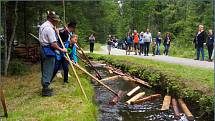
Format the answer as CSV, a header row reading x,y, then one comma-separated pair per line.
x,y
17,67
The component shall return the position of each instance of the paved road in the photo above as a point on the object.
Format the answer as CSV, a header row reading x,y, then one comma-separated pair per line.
x,y
169,59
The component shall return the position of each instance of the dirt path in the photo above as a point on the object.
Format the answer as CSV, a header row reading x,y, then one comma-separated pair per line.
x,y
169,59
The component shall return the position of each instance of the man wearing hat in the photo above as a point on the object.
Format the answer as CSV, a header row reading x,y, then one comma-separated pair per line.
x,y
48,41
60,59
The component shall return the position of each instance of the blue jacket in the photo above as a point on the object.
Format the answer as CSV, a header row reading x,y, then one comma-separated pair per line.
x,y
141,40
210,40
73,54
59,54
158,41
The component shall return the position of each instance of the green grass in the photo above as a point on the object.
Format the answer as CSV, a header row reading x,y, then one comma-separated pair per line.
x,y
24,101
194,77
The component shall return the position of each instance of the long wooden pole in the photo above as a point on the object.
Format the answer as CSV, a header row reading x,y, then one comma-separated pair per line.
x,y
70,62
95,79
87,73
3,102
99,76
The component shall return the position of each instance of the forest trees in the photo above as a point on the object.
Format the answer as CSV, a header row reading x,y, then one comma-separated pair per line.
x,y
180,17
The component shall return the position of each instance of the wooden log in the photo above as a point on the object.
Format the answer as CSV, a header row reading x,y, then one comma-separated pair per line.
x,y
148,98
185,110
111,78
116,99
110,71
166,103
133,91
175,108
137,96
118,72
137,80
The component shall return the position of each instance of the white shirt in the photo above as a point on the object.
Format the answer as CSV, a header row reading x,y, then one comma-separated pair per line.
x,y
147,37
47,34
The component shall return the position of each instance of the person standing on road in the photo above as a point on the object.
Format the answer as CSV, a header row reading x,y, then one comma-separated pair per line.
x,y
166,43
109,44
141,43
158,43
48,41
147,40
92,41
199,42
129,42
136,41
210,42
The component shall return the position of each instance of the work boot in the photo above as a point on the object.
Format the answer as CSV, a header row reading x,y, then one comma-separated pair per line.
x,y
47,92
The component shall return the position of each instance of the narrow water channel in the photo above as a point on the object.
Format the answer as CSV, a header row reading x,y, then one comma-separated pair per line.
x,y
147,111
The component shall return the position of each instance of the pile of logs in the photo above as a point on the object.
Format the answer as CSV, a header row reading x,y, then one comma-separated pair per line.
x,y
29,53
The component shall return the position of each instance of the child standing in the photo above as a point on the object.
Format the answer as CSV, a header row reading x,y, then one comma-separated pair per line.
x,y
153,47
72,48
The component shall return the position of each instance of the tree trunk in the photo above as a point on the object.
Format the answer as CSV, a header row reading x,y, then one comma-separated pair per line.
x,y
9,45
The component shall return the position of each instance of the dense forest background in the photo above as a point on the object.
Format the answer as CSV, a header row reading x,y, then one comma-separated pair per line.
x,y
180,17
103,17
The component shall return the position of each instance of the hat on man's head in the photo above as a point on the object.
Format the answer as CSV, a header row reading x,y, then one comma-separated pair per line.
x,y
52,15
72,24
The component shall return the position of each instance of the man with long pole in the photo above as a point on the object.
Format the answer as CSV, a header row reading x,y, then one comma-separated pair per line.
x,y
48,43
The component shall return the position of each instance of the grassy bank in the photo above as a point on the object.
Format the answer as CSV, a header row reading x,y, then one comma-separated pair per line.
x,y
24,101
193,84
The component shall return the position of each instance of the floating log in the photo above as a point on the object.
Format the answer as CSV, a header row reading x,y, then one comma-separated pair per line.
x,y
118,72
175,108
133,91
166,103
110,71
142,82
148,98
136,80
116,99
139,95
185,109
111,78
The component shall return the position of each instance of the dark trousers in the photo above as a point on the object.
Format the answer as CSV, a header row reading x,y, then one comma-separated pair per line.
x,y
128,48
141,48
210,50
91,47
166,49
153,50
146,50
47,68
64,64
135,48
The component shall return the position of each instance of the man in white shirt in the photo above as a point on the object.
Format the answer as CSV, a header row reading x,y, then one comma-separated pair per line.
x,y
147,40
48,41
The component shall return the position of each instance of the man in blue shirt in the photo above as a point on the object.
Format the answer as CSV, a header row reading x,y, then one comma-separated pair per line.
x,y
60,57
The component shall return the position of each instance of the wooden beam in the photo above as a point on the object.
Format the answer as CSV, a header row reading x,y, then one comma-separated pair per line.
x,y
175,108
148,98
116,99
137,80
133,91
137,96
185,110
166,103
111,78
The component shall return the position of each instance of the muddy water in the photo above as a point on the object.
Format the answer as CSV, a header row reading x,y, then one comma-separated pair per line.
x,y
147,111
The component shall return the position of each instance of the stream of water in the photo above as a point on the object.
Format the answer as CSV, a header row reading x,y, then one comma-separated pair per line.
x,y
147,111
